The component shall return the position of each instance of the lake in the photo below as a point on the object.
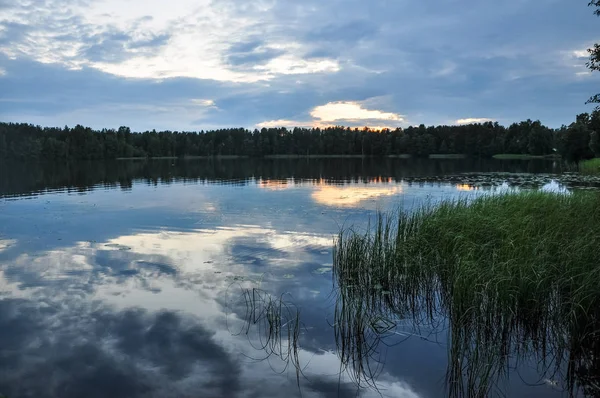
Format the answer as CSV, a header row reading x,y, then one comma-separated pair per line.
x,y
213,278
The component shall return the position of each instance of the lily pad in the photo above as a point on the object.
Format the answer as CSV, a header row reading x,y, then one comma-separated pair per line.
x,y
288,276
322,270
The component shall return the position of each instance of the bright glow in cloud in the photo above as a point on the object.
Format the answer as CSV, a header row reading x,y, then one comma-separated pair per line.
x,y
204,102
283,123
581,54
343,112
292,65
334,111
472,120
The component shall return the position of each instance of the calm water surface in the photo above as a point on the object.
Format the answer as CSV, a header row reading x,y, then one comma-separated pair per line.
x,y
128,279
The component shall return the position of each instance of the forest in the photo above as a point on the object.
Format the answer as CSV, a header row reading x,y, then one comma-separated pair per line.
x,y
579,140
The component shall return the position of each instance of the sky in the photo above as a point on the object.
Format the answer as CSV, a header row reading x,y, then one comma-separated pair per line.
x,y
204,64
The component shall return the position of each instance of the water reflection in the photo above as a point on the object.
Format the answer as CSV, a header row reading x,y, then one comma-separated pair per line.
x,y
352,195
378,310
19,179
133,279
466,187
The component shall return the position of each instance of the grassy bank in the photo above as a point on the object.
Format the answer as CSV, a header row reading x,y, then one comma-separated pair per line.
x,y
591,166
517,276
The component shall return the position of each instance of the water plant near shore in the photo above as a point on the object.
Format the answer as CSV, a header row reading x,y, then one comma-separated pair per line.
x,y
502,282
591,166
516,277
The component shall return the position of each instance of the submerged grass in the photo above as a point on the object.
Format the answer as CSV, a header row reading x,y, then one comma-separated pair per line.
x,y
272,325
591,166
517,277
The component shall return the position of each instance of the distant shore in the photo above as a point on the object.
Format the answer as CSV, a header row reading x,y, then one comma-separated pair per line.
x,y
502,156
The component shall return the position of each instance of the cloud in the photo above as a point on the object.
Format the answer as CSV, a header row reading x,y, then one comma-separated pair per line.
x,y
252,52
273,60
204,102
255,57
291,65
335,111
118,46
6,243
581,54
347,113
123,41
473,120
284,123
350,32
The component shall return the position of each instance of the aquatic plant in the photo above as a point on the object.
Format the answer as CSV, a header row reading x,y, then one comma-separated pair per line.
x,y
515,277
275,322
591,166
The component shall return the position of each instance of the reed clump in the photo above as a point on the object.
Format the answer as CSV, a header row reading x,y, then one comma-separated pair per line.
x,y
591,166
516,277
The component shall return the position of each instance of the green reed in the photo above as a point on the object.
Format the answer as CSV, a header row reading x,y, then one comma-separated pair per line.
x,y
517,276
272,325
591,166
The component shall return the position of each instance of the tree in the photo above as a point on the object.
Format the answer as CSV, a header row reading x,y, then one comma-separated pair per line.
x,y
576,140
3,147
594,63
540,139
595,143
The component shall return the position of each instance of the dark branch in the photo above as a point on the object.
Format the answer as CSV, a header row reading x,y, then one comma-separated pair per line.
x,y
595,3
